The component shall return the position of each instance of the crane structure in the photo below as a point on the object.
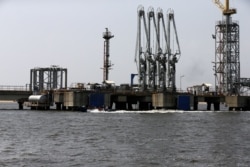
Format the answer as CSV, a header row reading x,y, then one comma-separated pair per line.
x,y
154,57
225,8
106,62
227,52
172,57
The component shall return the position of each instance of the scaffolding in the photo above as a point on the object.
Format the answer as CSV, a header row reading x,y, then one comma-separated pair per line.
x,y
227,57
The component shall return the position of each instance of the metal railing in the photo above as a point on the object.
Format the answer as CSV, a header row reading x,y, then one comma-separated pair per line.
x,y
14,88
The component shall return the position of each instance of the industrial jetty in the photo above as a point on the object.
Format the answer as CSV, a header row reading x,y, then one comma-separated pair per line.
x,y
156,74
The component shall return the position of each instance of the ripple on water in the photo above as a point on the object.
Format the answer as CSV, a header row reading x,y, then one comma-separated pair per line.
x,y
166,138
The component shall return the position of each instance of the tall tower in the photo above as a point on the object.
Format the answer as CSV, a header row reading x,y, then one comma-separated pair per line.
x,y
106,63
227,52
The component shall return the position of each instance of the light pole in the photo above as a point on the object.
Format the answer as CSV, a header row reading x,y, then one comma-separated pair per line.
x,y
180,81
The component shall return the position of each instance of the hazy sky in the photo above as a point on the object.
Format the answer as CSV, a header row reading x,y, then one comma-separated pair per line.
x,y
68,33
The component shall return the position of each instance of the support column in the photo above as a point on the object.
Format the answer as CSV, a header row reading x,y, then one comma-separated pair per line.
x,y
208,106
58,106
66,78
130,106
20,105
31,80
216,106
120,105
195,106
64,108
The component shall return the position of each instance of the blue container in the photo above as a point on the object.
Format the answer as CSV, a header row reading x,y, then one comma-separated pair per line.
x,y
183,102
96,100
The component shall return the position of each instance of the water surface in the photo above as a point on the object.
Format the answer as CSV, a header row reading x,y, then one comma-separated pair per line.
x,y
165,138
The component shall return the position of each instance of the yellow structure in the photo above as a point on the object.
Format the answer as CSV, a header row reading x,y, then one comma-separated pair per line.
x,y
225,8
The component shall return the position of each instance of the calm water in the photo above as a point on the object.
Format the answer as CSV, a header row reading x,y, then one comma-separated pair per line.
x,y
56,138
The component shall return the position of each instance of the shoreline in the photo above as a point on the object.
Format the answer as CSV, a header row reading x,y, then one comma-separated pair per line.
x,y
7,101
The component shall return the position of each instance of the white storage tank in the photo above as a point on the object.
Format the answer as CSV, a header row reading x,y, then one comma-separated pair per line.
x,y
38,98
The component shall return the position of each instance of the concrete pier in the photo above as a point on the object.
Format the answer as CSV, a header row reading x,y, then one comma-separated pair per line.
x,y
209,99
124,99
20,96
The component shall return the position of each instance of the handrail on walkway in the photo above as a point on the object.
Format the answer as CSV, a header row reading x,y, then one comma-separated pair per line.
x,y
14,88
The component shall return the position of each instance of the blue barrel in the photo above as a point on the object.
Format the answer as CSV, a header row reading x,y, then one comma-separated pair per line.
x,y
183,102
96,100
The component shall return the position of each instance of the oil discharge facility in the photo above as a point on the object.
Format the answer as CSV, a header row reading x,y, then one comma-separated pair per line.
x,y
156,61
